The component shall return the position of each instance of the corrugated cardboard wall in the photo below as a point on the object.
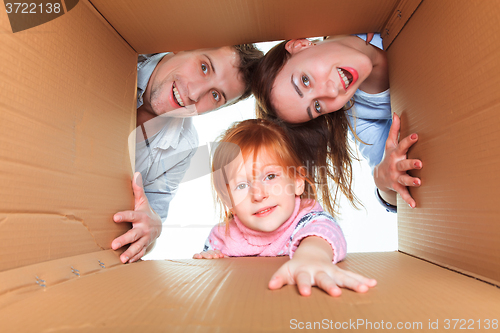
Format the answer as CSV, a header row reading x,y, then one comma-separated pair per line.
x,y
445,81
159,25
66,109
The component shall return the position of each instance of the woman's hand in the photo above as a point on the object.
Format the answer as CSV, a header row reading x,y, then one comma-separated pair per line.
x,y
312,265
391,174
211,254
146,225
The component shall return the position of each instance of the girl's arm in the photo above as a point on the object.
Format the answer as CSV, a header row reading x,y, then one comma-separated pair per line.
x,y
312,265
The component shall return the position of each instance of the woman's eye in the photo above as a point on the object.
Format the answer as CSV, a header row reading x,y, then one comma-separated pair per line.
x,y
317,107
305,80
215,95
204,68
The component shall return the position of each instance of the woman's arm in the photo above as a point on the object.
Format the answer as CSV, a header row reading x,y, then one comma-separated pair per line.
x,y
312,265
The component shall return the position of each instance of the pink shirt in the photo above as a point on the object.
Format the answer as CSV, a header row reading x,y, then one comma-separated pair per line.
x,y
310,221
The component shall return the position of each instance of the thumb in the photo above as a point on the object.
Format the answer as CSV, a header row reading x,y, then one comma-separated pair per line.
x,y
392,139
137,187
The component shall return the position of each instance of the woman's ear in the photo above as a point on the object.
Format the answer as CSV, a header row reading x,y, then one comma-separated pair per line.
x,y
296,45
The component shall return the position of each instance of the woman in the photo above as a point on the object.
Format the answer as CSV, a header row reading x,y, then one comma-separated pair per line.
x,y
319,91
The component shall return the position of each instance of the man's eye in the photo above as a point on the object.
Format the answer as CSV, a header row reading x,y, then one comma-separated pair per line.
x,y
305,80
317,107
204,68
216,95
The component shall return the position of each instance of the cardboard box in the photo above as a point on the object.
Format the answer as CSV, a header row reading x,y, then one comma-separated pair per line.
x,y
66,109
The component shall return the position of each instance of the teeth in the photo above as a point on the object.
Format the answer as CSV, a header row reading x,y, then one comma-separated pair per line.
x,y
263,211
177,96
342,75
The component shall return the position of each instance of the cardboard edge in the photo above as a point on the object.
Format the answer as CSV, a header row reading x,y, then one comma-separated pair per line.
x,y
91,6
46,274
456,270
397,20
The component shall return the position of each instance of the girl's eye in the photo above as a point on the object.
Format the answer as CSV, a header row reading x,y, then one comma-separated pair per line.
x,y
305,80
241,186
271,176
317,107
215,95
204,68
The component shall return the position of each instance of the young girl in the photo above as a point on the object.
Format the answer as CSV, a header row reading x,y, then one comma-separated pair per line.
x,y
270,210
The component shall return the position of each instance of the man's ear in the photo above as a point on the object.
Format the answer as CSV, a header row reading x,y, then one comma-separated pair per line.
x,y
296,45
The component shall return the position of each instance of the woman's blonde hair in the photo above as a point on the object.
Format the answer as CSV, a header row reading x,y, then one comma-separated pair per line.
x,y
249,138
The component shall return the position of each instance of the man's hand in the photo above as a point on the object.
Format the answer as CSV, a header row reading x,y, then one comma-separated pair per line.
x,y
311,267
391,174
212,254
146,225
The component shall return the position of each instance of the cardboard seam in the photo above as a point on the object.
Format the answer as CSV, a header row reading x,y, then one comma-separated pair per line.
x,y
109,24
70,218
389,23
455,270
44,283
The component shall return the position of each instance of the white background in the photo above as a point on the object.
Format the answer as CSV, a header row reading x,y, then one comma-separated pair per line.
x,y
193,213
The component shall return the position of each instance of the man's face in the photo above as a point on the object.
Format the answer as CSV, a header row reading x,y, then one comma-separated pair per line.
x,y
205,79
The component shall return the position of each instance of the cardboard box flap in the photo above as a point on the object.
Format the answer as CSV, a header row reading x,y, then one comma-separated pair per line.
x,y
231,295
158,26
67,108
404,10
445,75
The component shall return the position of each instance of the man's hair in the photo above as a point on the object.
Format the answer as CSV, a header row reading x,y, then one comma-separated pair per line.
x,y
250,56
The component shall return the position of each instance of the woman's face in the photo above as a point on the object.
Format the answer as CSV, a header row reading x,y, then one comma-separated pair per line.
x,y
317,79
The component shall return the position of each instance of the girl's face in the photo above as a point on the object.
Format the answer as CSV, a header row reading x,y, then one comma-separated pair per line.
x,y
318,79
263,194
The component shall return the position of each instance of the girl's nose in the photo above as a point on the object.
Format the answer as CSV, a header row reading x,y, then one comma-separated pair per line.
x,y
258,192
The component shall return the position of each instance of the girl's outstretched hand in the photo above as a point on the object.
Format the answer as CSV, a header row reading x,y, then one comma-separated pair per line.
x,y
391,174
212,254
311,267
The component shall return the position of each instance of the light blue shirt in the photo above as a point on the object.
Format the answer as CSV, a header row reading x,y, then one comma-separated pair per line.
x,y
165,157
373,119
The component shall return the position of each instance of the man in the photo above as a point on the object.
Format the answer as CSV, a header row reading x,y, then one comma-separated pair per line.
x,y
176,84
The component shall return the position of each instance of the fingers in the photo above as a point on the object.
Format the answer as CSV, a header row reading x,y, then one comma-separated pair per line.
x,y
126,216
139,195
276,282
392,139
134,252
405,195
303,280
212,254
407,180
406,165
325,282
406,143
369,37
127,238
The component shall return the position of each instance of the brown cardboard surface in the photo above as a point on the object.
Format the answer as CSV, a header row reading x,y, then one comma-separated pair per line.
x,y
66,109
445,78
231,295
157,25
